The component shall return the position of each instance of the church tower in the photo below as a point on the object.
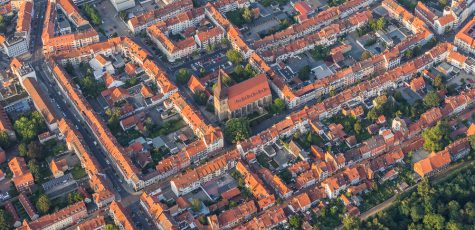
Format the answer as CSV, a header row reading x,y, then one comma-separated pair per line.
x,y
220,98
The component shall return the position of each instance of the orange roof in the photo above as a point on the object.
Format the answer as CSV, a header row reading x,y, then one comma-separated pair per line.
x,y
467,34
435,161
75,211
120,215
471,130
24,17
195,84
38,97
248,91
446,19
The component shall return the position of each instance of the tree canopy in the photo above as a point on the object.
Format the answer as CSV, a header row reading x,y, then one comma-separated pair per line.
x,y
431,99
43,204
237,129
437,137
28,127
182,76
234,56
92,14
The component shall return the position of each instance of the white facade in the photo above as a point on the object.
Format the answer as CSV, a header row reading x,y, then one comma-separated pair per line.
x,y
121,5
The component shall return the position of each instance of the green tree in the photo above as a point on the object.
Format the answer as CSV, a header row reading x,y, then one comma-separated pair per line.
x,y
111,226
437,137
74,197
247,15
304,73
113,114
43,204
22,150
439,82
5,220
237,129
234,56
472,141
92,14
357,127
320,52
27,128
200,97
431,99
196,204
351,223
295,221
183,76
5,142
278,106
365,55
434,221
35,169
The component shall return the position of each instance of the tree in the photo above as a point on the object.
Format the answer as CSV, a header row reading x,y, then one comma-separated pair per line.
x,y
200,97
22,149
35,169
357,127
183,76
278,106
437,137
434,221
234,56
236,129
92,14
365,55
113,114
320,52
5,220
247,15
439,82
431,99
74,197
5,142
27,128
304,73
294,221
350,223
43,204
34,150
196,205
472,141
417,213
111,226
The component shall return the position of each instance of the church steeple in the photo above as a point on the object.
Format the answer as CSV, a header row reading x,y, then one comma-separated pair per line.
x,y
219,92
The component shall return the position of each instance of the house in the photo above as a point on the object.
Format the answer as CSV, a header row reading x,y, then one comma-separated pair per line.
x,y
120,216
417,84
300,203
433,163
22,177
58,167
61,219
230,218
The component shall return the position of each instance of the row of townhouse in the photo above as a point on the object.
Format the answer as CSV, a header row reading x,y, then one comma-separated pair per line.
x,y
327,36
74,140
53,42
265,199
311,25
121,216
300,120
160,31
127,47
465,38
452,16
157,211
140,22
438,161
19,42
191,180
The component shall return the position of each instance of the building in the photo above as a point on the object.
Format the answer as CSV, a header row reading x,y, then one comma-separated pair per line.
x,y
18,44
58,220
22,177
433,163
120,216
465,38
241,99
121,5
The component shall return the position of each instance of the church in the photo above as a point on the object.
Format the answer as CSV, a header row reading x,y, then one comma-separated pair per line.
x,y
243,98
